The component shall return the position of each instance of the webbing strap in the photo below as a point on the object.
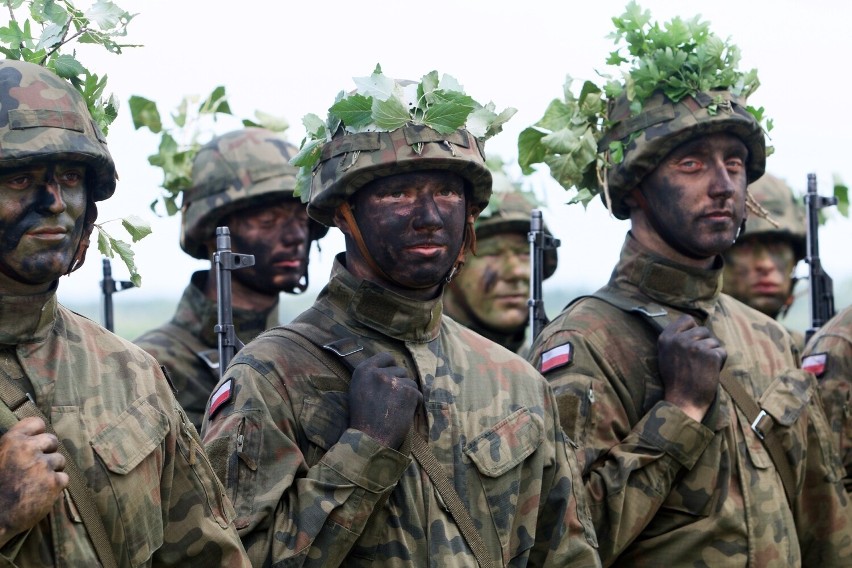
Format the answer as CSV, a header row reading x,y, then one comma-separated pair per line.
x,y
657,317
416,445
23,407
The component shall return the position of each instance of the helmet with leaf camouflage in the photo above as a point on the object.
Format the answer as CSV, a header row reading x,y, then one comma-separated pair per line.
x,y
388,127
788,214
43,117
244,168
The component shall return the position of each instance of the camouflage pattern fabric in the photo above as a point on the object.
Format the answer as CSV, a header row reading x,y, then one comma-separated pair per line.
x,y
780,202
112,408
351,161
189,347
834,375
664,489
43,117
661,126
306,486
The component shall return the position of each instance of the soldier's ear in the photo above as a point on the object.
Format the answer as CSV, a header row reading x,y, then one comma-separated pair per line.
x,y
341,222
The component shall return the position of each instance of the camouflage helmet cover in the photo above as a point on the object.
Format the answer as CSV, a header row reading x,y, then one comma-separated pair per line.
x,y
43,117
780,202
350,161
242,168
509,211
663,125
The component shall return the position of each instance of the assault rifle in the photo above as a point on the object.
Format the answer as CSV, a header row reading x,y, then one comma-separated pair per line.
x,y
225,261
822,288
539,243
110,286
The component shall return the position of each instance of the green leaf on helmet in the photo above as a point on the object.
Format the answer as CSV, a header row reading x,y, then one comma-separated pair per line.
x,y
314,125
66,66
136,227
216,102
355,111
530,149
390,114
376,85
449,111
144,113
308,154
271,121
106,14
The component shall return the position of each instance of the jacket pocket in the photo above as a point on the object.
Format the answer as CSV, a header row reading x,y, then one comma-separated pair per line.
x,y
128,446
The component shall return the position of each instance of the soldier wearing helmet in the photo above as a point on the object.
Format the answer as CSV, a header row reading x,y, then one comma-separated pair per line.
x,y
759,267
78,400
242,180
680,395
490,295
314,423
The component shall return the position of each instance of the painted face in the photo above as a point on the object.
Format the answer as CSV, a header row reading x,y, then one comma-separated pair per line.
x,y
494,285
696,198
277,235
413,227
43,207
759,272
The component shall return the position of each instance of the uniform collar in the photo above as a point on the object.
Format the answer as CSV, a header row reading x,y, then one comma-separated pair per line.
x,y
199,315
666,282
27,319
381,309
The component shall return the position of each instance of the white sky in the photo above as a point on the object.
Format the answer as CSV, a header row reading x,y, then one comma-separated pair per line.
x,y
291,58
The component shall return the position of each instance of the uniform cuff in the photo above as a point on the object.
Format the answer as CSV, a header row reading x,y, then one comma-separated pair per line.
x,y
671,430
366,463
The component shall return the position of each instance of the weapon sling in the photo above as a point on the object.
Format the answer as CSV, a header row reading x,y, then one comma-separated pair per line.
x,y
652,313
23,407
419,446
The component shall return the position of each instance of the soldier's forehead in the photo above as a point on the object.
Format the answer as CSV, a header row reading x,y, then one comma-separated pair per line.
x,y
41,164
421,177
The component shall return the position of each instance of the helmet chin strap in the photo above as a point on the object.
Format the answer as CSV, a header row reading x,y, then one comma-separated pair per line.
x,y
468,244
83,245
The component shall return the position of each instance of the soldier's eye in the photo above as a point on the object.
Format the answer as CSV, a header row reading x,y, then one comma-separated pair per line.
x,y
18,182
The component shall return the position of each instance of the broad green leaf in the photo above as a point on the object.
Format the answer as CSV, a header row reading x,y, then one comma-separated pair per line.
x,y
479,121
450,83
390,114
530,149
50,36
376,85
66,66
271,122
497,124
314,125
126,254
144,113
355,111
446,117
137,227
557,115
841,192
106,14
216,102
103,243
308,155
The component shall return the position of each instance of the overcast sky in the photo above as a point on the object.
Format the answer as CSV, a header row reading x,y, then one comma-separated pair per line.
x,y
291,58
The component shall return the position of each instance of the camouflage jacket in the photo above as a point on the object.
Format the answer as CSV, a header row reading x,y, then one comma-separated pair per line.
x,y
114,411
189,347
515,342
306,486
663,488
829,356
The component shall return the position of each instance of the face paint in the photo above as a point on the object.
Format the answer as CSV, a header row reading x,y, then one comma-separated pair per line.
x,y
759,273
494,286
42,213
277,236
413,227
696,197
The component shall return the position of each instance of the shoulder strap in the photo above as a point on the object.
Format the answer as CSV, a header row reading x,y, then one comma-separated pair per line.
x,y
761,423
348,355
22,406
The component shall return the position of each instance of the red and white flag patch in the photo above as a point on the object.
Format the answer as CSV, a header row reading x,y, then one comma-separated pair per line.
x,y
556,357
220,397
815,363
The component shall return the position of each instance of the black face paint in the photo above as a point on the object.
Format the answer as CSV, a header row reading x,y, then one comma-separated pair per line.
x,y
489,279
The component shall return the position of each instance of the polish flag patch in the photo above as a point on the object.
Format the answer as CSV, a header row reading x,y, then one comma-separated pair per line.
x,y
220,397
815,363
556,357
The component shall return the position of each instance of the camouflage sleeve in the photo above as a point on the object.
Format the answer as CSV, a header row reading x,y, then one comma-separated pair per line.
x,y
629,461
310,514
198,517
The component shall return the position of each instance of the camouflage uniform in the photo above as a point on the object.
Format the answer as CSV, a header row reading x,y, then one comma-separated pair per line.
x,y
829,356
305,486
107,400
664,488
189,347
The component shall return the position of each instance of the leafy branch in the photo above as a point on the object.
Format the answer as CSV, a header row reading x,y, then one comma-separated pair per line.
x,y
108,246
382,104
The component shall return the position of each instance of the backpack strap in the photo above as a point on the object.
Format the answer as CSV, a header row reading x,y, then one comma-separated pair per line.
x,y
760,421
342,355
23,406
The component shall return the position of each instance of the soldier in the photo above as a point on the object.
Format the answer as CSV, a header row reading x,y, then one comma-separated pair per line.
x,y
670,386
319,466
759,267
152,498
828,355
490,295
243,180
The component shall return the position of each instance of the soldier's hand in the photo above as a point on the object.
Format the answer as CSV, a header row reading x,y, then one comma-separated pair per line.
x,y
690,360
31,476
382,400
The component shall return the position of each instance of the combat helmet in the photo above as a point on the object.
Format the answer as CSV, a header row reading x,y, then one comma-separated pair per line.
x,y
240,169
777,198
663,125
43,117
509,211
